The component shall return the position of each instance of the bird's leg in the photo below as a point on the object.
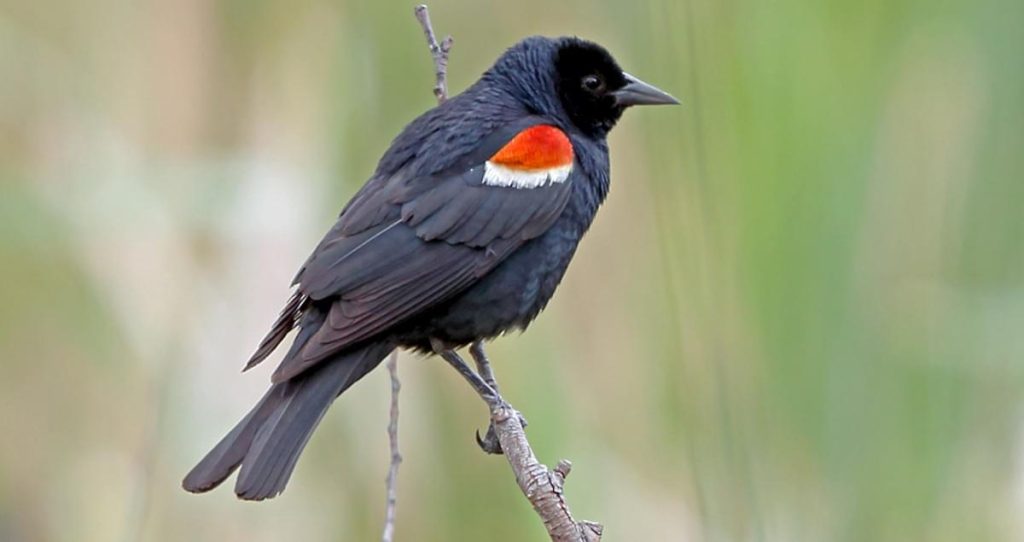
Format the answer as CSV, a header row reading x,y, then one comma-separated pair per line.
x,y
484,384
489,443
483,365
486,392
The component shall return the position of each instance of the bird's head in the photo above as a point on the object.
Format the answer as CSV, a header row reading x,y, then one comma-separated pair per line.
x,y
573,79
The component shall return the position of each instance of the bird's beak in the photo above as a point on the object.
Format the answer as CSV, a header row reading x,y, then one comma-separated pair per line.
x,y
636,92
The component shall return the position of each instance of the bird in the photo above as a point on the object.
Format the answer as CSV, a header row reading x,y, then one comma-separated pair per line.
x,y
462,233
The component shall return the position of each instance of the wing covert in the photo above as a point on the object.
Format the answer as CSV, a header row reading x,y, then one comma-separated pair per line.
x,y
405,242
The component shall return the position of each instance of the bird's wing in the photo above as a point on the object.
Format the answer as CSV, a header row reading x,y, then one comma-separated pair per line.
x,y
406,243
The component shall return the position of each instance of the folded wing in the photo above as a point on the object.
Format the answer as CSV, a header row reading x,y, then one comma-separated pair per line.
x,y
407,243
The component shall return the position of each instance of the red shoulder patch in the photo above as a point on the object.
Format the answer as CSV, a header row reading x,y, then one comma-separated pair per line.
x,y
537,147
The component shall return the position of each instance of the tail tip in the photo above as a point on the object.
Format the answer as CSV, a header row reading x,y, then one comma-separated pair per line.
x,y
192,485
247,491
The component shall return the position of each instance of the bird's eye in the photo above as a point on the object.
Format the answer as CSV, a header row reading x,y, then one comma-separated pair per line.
x,y
593,82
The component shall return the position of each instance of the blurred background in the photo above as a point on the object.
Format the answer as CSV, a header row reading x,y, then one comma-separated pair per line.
x,y
799,316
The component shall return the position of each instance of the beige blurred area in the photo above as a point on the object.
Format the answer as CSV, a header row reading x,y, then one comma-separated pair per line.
x,y
798,317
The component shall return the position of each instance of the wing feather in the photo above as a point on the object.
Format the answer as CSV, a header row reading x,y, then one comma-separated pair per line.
x,y
405,244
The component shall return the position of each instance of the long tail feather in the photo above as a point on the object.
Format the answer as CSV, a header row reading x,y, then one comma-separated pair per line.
x,y
268,441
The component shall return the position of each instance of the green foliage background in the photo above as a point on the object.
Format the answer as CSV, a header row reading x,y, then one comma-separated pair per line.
x,y
799,316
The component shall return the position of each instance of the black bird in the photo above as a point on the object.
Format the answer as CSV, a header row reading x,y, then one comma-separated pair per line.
x,y
463,232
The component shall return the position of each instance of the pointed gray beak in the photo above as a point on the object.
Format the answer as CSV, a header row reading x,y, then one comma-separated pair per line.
x,y
636,92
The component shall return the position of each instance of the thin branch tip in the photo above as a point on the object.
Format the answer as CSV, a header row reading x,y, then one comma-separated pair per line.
x,y
439,52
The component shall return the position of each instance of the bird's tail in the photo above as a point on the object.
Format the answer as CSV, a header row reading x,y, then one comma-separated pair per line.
x,y
269,440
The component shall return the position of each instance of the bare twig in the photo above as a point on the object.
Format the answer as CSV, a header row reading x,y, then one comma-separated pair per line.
x,y
396,457
542,486
439,52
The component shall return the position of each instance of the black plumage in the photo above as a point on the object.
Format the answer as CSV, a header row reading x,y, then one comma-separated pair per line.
x,y
428,250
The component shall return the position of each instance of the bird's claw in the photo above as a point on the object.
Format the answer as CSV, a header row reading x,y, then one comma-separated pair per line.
x,y
490,443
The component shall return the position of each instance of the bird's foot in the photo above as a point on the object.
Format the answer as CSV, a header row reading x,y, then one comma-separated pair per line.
x,y
490,443
486,386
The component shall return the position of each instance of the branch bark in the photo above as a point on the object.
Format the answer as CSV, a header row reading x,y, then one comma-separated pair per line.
x,y
543,487
396,457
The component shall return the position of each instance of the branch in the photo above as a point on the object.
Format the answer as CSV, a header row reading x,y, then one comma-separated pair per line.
x,y
543,487
439,52
540,485
396,457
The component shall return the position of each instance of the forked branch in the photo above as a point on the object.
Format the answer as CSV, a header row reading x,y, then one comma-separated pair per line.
x,y
438,51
